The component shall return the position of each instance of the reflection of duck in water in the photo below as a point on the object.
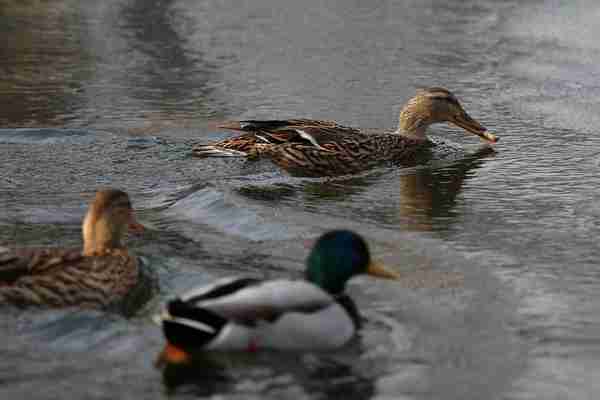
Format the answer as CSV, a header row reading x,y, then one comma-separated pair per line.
x,y
429,193
323,148
323,375
320,375
205,376
101,275
249,314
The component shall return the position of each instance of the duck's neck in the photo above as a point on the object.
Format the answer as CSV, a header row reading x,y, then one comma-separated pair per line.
x,y
326,275
411,123
99,236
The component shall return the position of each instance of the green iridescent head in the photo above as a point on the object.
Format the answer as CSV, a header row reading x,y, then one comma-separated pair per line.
x,y
338,256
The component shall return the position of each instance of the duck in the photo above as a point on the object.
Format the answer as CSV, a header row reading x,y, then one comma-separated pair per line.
x,y
316,148
96,276
249,314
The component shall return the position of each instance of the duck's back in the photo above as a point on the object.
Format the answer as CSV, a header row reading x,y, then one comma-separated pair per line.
x,y
345,155
248,314
64,277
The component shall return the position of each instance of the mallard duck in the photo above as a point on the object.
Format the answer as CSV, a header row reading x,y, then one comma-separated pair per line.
x,y
250,314
324,148
95,277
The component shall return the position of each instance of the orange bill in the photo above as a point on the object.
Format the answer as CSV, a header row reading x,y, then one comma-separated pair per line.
x,y
134,226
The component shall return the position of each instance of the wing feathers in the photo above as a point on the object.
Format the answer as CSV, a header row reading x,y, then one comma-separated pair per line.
x,y
191,323
221,287
22,262
269,300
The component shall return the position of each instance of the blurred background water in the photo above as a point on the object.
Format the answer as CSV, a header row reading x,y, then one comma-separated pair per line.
x,y
499,250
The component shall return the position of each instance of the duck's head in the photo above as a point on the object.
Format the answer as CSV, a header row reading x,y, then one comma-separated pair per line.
x,y
108,218
338,256
433,105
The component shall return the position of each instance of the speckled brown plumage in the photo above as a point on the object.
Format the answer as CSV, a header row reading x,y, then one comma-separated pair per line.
x,y
97,276
347,155
65,277
324,148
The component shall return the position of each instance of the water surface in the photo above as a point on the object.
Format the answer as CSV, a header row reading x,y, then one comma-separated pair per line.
x,y
498,249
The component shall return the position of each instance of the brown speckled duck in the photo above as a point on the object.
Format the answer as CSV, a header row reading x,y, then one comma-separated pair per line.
x,y
306,147
98,276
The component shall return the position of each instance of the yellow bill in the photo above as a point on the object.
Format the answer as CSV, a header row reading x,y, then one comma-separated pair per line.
x,y
379,270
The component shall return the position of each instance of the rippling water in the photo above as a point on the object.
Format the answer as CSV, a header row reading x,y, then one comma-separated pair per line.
x,y
498,249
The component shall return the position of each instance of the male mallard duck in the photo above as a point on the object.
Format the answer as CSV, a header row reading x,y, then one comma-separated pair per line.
x,y
251,314
323,148
100,275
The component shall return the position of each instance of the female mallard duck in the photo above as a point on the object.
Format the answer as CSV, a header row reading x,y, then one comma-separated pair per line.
x,y
251,314
100,275
323,148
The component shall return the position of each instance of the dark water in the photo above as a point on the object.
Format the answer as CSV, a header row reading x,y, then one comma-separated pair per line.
x,y
113,93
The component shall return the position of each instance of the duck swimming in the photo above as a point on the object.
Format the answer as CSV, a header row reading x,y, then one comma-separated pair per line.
x,y
247,314
305,147
100,274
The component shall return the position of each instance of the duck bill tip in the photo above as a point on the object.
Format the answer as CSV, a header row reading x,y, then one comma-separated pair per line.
x,y
489,136
134,226
474,127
